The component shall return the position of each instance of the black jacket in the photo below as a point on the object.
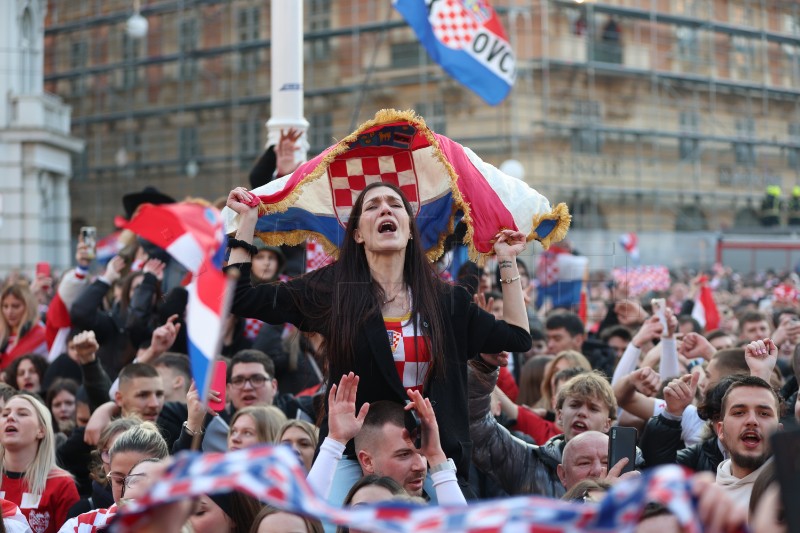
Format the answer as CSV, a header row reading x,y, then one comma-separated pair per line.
x,y
87,313
468,331
661,444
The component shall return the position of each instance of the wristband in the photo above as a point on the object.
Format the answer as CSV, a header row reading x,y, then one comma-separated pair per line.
x,y
695,362
249,248
447,465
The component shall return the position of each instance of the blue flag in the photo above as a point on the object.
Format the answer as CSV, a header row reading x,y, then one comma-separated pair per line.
x,y
466,38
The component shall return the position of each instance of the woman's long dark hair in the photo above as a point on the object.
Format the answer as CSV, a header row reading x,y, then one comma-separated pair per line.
x,y
354,297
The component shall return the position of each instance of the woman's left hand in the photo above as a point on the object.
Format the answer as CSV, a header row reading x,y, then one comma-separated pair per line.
x,y
509,243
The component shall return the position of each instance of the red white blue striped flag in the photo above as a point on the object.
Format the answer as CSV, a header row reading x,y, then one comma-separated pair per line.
x,y
192,234
274,475
467,39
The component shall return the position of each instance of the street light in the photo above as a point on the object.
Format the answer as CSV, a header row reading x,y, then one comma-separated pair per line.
x,y
137,25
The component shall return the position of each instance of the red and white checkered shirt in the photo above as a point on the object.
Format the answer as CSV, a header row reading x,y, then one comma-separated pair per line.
x,y
89,522
252,326
411,355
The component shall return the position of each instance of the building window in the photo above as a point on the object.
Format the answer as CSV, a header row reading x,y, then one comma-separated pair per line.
x,y
743,56
793,159
688,41
250,143
688,144
586,136
434,115
408,55
687,7
249,31
320,131
745,152
318,14
28,49
78,59
189,149
130,55
188,39
133,145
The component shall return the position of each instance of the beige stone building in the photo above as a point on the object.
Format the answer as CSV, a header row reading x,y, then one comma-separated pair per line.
x,y
641,114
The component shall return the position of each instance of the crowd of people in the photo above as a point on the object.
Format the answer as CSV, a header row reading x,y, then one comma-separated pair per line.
x,y
389,382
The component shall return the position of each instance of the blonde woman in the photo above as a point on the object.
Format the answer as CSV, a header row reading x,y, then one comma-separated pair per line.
x,y
139,443
21,332
31,480
255,425
564,360
302,436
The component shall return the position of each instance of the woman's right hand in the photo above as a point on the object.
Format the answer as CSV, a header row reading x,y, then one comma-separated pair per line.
x,y
238,201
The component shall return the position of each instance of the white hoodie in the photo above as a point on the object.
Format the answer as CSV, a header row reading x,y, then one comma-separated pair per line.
x,y
738,489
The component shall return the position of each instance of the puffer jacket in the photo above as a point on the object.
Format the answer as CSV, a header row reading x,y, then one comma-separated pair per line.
x,y
662,444
518,467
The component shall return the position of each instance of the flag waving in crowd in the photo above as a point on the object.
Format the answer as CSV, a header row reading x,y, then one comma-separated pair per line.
x,y
441,179
466,38
192,234
274,475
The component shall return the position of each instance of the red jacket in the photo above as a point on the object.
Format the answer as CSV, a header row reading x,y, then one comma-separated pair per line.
x,y
32,341
534,425
49,512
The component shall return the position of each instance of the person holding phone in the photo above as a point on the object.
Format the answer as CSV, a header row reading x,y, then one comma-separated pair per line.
x,y
584,404
383,277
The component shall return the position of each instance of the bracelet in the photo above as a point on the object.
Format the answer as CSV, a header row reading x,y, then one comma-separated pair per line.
x,y
189,431
249,248
510,280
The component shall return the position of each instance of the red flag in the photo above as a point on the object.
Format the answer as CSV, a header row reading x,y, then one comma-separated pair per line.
x,y
705,309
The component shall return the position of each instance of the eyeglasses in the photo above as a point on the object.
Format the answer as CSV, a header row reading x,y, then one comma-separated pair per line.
x,y
127,482
256,381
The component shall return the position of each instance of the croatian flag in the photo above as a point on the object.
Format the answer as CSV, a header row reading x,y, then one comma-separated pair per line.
x,y
467,39
630,243
273,474
560,275
705,309
440,178
193,235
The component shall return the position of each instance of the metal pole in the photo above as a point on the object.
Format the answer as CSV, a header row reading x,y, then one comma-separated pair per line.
x,y
286,52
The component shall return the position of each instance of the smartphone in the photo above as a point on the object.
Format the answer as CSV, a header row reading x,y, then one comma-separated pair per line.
x,y
43,269
786,447
659,305
218,383
413,425
622,443
89,238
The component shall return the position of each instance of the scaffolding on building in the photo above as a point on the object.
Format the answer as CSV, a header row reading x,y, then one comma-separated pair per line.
x,y
641,114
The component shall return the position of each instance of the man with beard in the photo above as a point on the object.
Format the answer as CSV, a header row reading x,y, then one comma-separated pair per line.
x,y
750,411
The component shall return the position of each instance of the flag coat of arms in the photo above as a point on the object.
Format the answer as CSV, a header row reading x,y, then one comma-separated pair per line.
x,y
441,179
467,39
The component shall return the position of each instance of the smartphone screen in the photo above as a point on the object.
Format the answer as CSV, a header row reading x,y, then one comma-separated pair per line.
x,y
218,383
659,304
89,238
622,443
786,446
